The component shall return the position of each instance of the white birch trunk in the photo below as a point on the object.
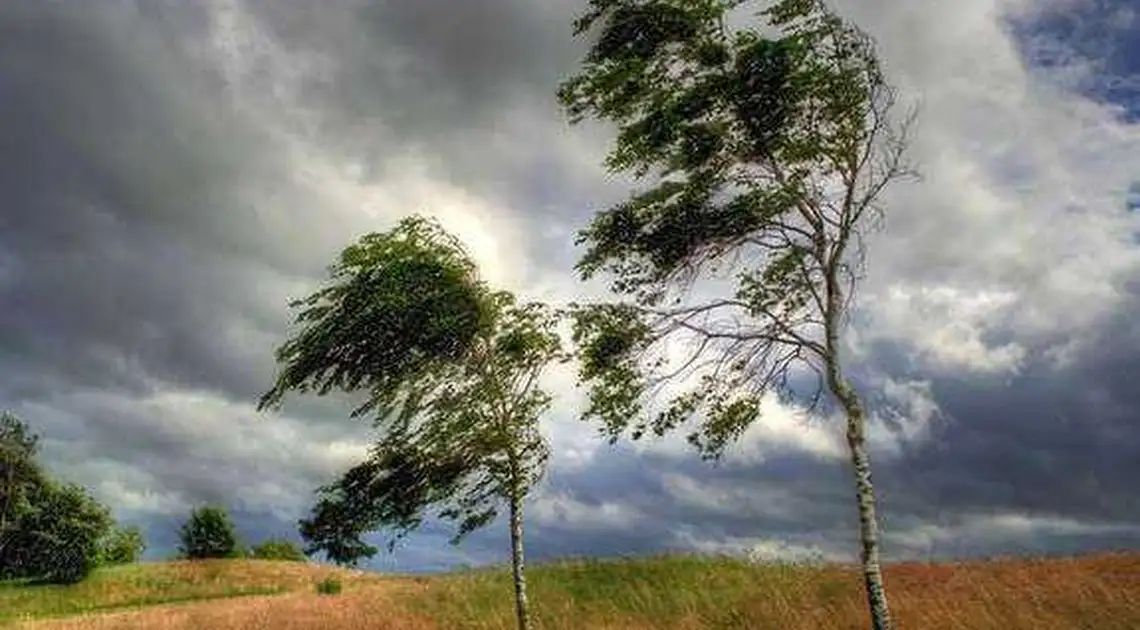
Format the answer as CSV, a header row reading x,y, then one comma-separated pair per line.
x,y
517,566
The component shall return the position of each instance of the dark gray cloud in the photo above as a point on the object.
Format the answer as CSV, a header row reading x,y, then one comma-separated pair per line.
x,y
1099,33
123,175
471,83
1062,442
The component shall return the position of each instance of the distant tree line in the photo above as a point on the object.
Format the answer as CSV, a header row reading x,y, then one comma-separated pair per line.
x,y
209,533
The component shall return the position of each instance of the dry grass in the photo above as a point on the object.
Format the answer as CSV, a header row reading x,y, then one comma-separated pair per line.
x,y
673,592
686,593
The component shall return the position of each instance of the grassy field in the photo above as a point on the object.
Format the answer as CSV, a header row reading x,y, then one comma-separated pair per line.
x,y
672,592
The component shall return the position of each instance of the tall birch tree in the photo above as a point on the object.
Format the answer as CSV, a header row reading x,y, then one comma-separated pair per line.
x,y
770,153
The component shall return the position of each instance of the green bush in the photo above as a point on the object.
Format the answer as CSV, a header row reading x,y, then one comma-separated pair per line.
x,y
329,586
122,545
278,549
208,533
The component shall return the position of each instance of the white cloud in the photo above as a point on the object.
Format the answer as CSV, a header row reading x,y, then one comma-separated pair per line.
x,y
193,446
558,509
996,528
756,549
1018,227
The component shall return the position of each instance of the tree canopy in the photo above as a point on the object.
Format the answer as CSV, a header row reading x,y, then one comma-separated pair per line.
x,y
471,441
49,531
208,533
399,305
769,154
450,370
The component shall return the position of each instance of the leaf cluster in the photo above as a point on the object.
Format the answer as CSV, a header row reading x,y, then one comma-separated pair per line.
x,y
277,549
121,545
398,305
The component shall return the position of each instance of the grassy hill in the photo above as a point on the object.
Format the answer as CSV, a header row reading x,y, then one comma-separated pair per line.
x,y
671,592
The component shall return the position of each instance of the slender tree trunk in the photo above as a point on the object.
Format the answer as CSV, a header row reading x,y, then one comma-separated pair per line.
x,y
516,518
868,525
860,460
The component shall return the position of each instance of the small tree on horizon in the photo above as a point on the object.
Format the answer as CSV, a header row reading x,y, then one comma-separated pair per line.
x,y
208,533
122,545
451,371
277,549
770,155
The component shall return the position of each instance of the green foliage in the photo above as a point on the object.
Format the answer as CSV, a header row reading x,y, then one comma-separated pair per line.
x,y
467,440
122,545
329,586
769,155
400,304
59,536
451,372
49,532
277,549
208,533
387,490
20,475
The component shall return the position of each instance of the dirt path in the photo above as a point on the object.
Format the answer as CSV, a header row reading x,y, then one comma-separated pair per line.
x,y
371,607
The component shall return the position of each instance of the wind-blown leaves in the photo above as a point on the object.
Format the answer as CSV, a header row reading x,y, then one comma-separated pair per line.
x,y
401,304
749,137
390,490
769,152
451,371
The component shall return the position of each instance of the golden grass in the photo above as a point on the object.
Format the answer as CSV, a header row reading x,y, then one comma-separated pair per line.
x,y
691,593
672,592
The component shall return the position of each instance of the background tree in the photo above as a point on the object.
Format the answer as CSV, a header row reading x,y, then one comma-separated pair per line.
x,y
122,545
59,535
451,370
770,155
208,533
20,474
277,549
49,532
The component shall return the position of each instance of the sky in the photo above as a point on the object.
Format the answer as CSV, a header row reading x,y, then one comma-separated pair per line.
x,y
175,171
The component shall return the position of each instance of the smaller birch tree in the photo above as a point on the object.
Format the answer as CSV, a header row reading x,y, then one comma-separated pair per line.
x,y
451,370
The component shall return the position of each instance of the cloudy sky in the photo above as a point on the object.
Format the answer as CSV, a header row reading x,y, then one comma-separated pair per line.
x,y
174,171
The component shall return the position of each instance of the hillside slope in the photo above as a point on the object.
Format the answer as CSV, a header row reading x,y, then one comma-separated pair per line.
x,y
671,592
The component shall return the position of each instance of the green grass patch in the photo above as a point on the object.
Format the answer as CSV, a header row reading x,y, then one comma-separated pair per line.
x,y
133,586
656,591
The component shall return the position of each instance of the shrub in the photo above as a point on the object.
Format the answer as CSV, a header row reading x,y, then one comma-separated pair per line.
x,y
122,545
329,586
278,549
208,533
